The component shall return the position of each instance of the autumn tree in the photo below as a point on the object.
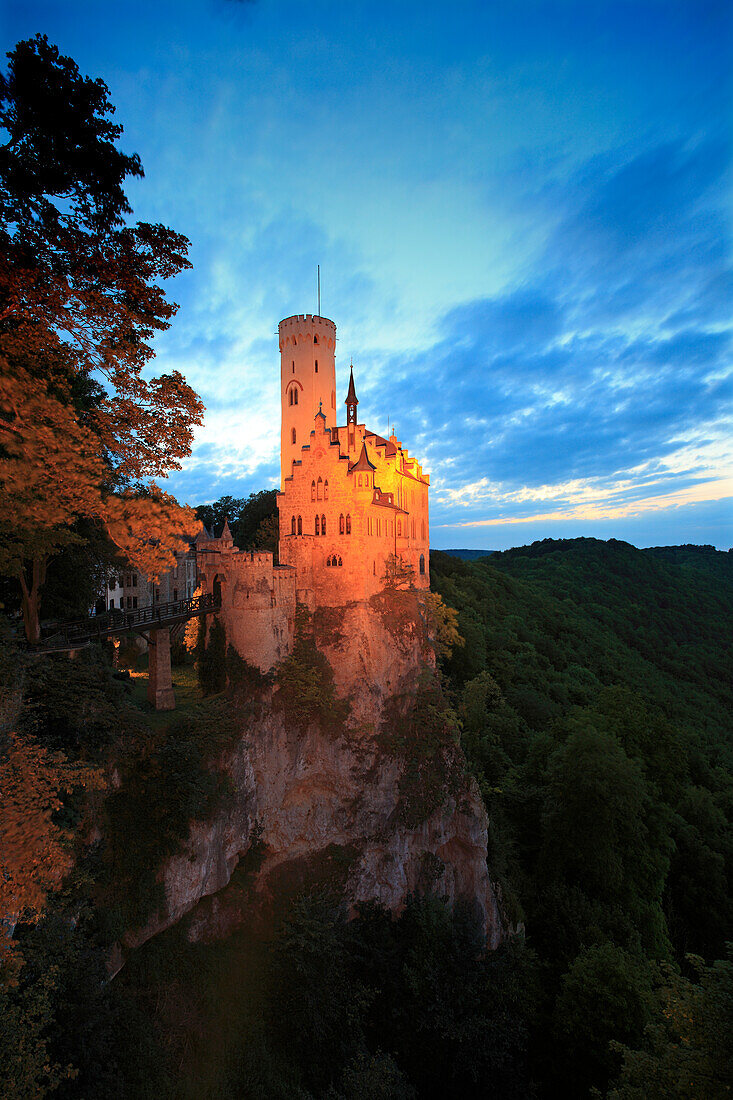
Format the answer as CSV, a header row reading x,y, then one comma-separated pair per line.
x,y
81,423
35,853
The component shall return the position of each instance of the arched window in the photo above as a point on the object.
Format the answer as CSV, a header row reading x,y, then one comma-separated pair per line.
x,y
315,339
359,480
341,524
318,526
323,525
340,562
313,490
325,489
293,371
292,526
319,493
295,396
316,366
328,561
422,564
300,525
290,397
292,436
348,525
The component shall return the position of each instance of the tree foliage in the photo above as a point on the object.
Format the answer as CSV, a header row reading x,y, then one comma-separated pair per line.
x,y
80,422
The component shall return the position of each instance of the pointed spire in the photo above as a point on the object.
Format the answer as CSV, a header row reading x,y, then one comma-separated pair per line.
x,y
351,398
226,534
364,462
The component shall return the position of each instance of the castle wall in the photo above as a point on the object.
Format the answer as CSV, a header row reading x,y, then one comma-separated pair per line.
x,y
257,602
374,532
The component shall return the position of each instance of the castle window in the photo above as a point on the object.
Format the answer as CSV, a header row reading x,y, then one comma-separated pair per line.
x,y
328,561
315,339
175,593
300,525
134,602
348,525
293,363
341,524
111,604
316,366
359,480
318,526
422,530
292,526
340,562
422,564
319,493
325,489
323,525
295,396
374,568
290,397
134,580
292,436
313,490
399,527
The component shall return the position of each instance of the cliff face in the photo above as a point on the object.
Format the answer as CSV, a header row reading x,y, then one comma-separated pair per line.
x,y
314,800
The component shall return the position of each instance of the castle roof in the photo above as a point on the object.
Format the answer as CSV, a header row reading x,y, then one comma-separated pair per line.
x,y
364,462
225,532
351,398
203,535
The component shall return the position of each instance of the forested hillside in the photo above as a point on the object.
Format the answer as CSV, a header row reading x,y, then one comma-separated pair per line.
x,y
595,696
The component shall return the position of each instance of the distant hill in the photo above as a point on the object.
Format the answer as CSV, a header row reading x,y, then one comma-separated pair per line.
x,y
581,656
468,555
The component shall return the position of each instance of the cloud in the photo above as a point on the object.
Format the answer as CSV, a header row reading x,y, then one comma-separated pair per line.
x,y
605,508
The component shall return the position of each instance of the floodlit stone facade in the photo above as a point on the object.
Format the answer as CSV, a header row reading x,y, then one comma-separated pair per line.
x,y
353,509
353,506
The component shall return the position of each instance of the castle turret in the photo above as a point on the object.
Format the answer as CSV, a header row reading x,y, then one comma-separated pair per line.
x,y
307,382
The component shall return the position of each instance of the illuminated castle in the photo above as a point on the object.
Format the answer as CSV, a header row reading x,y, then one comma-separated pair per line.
x,y
353,505
353,509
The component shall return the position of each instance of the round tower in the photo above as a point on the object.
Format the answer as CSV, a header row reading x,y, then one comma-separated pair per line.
x,y
307,382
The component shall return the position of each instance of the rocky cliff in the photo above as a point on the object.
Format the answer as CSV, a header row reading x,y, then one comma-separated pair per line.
x,y
373,800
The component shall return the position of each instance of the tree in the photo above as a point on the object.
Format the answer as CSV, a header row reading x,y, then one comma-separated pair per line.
x,y
686,1051
80,425
35,849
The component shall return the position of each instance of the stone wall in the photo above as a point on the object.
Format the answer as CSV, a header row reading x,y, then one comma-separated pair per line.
x,y
258,602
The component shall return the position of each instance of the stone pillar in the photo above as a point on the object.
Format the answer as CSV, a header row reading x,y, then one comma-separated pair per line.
x,y
160,684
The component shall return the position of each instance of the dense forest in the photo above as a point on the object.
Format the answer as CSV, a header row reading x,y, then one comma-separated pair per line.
x,y
593,698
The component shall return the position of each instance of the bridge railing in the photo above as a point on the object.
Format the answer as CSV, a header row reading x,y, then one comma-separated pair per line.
x,y
120,620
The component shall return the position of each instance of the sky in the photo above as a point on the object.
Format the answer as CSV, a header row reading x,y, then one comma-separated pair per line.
x,y
521,212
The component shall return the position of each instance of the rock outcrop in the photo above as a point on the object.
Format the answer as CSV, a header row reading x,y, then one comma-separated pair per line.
x,y
311,798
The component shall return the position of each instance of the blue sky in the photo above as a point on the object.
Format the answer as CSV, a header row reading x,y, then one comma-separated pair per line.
x,y
522,216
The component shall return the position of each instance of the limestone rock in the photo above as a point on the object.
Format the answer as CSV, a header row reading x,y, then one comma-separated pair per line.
x,y
308,796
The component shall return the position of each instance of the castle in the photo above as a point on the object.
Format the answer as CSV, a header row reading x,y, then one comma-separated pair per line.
x,y
353,509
